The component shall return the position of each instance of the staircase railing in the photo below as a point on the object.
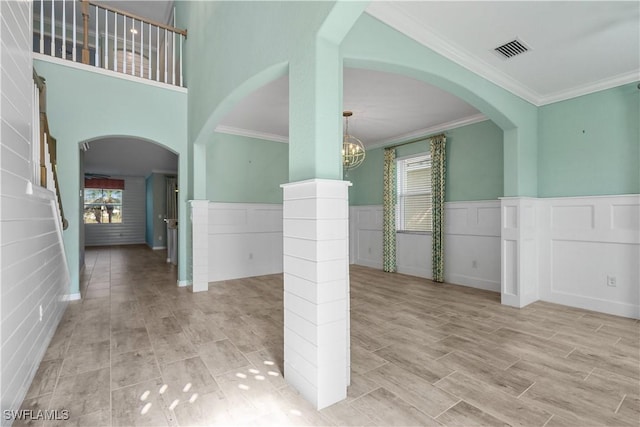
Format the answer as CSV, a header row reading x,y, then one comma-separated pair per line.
x,y
46,157
106,37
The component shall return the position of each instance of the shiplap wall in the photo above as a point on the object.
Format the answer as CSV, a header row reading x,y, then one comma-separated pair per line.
x,y
134,217
33,268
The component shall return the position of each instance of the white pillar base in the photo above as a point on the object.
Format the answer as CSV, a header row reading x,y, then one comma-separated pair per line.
x,y
316,289
200,244
519,251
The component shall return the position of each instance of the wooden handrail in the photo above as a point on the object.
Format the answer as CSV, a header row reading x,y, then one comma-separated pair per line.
x,y
51,143
38,80
139,18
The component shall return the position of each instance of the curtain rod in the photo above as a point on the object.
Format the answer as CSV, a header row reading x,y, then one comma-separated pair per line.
x,y
413,141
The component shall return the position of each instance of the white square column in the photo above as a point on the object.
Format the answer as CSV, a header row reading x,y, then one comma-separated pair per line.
x,y
519,244
200,244
316,289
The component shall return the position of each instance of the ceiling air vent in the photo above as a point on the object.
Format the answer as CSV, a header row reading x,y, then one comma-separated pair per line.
x,y
511,49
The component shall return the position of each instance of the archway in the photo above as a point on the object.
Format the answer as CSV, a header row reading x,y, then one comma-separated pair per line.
x,y
124,182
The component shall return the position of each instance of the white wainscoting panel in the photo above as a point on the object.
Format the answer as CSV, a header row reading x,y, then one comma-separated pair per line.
x,y
586,240
472,244
245,239
366,235
519,236
574,244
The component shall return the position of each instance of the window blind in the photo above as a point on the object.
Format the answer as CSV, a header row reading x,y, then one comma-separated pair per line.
x,y
414,194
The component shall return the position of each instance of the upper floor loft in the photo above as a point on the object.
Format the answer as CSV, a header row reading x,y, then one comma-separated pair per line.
x,y
111,38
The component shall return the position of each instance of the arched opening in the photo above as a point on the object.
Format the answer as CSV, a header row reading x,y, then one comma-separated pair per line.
x,y
129,196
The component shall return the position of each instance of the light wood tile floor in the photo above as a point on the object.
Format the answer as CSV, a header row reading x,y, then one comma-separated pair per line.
x,y
140,351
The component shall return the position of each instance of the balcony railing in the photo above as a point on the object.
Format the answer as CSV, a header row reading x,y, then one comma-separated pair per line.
x,y
109,38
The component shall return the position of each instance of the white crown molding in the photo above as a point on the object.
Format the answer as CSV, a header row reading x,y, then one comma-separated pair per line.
x,y
393,16
251,133
390,14
608,83
476,118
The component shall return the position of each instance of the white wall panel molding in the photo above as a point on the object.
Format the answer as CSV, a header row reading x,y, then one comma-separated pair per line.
x,y
200,244
586,244
519,248
366,235
472,244
559,250
245,239
316,289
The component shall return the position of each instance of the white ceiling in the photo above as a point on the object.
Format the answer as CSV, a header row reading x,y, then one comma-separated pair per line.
x,y
577,47
385,106
128,157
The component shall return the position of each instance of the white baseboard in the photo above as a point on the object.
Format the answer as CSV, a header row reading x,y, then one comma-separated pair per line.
x,y
72,297
594,304
413,271
474,282
157,248
183,283
367,263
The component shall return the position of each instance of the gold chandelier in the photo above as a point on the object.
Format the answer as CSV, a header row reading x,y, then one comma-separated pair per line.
x,y
353,152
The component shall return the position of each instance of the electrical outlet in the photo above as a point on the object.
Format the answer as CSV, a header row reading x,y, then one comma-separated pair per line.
x,y
160,238
41,312
250,256
611,281
474,264
369,251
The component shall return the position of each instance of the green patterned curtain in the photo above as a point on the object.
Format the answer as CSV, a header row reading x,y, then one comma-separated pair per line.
x,y
389,212
438,163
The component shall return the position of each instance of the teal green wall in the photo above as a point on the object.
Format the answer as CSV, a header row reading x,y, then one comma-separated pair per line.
x,y
247,45
590,145
366,180
474,166
230,43
243,169
295,37
474,163
84,105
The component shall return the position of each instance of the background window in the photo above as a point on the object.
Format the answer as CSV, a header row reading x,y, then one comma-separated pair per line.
x,y
102,206
414,193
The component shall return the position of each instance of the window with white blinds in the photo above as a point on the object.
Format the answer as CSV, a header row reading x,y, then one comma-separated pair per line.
x,y
414,193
